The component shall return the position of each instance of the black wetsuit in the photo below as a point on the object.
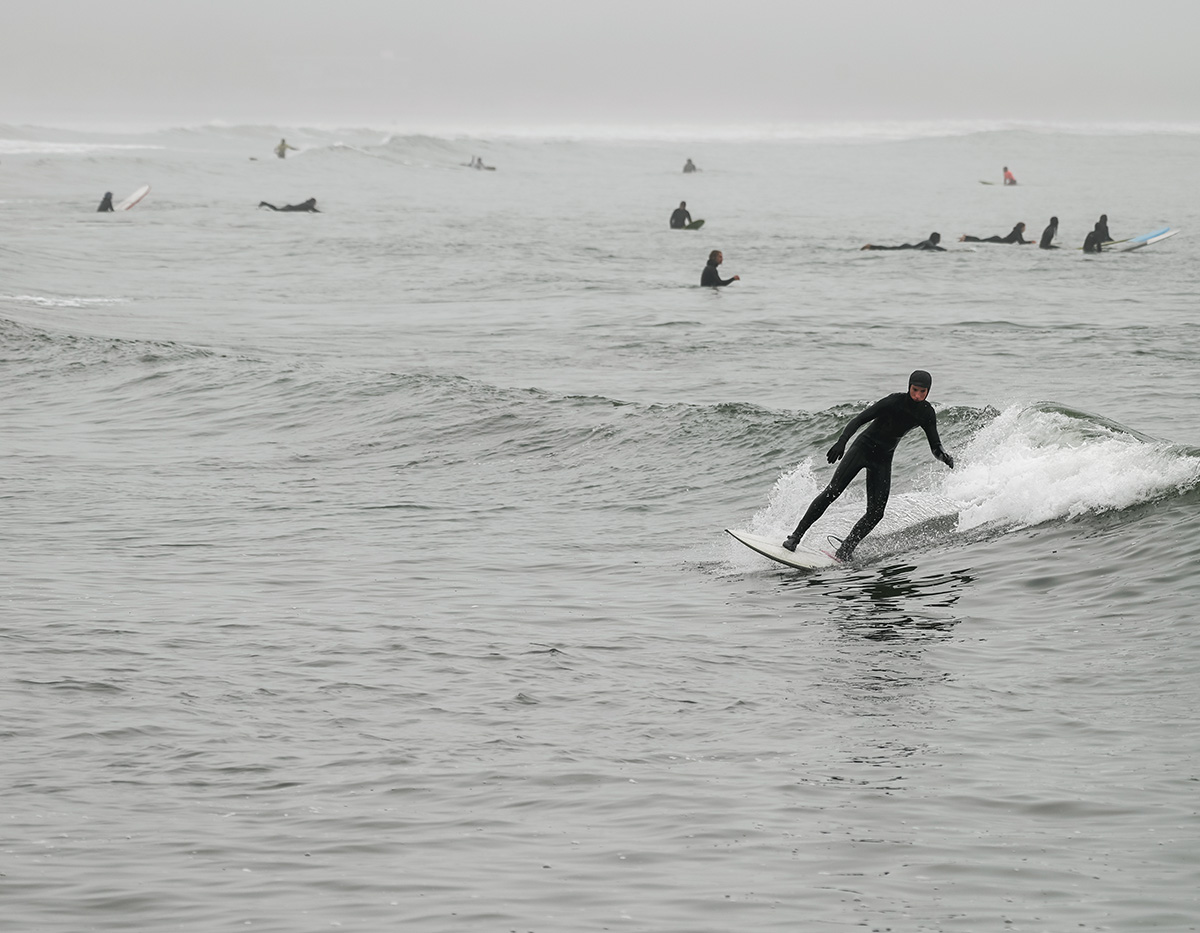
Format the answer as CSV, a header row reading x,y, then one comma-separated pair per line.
x,y
1048,234
1092,243
1102,230
309,206
924,244
891,418
105,203
710,277
1014,236
680,218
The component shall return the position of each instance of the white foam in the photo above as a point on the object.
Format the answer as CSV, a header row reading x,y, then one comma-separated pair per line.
x,y
48,302
1028,466
1031,465
36,147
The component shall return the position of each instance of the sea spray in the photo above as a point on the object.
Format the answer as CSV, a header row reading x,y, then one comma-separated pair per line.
x,y
1036,464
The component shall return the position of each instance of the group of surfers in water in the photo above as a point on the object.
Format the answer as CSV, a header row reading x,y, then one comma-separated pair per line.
x,y
308,207
1096,239
1094,243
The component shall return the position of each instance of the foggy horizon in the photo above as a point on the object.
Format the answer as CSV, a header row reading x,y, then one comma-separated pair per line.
x,y
532,63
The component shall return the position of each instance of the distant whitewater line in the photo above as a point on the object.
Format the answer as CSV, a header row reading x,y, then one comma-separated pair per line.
x,y
883,130
865,130
46,147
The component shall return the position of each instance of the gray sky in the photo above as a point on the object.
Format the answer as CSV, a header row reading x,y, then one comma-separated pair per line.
x,y
464,63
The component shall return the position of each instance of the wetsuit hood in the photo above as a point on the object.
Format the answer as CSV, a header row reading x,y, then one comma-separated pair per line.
x,y
921,379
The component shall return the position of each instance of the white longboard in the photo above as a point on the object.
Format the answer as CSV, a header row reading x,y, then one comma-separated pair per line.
x,y
803,558
134,198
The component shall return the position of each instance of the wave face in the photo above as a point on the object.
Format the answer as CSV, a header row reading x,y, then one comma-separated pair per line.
x,y
367,567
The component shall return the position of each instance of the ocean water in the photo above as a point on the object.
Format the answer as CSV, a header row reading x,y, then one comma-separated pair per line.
x,y
366,569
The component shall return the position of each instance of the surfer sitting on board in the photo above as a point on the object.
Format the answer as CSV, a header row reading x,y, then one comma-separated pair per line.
x,y
890,419
930,244
282,149
105,203
1049,234
680,217
1014,236
689,167
1094,240
710,277
1008,177
1102,229
310,206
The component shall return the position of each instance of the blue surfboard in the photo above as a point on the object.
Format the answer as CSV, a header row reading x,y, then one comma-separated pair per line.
x,y
1146,239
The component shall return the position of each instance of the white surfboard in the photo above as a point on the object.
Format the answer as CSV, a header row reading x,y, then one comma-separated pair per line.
x,y
803,558
134,198
1147,238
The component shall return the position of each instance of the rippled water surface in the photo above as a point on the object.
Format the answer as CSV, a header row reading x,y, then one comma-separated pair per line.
x,y
366,569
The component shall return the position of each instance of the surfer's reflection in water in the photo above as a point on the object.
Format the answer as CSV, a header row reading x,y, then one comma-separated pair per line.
x,y
893,603
309,206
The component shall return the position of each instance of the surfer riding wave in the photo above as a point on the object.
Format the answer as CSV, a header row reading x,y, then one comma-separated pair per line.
x,y
888,420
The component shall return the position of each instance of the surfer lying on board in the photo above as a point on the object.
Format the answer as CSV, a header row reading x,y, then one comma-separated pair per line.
x,y
105,203
1014,236
310,206
1008,177
680,217
709,275
930,244
890,419
1048,235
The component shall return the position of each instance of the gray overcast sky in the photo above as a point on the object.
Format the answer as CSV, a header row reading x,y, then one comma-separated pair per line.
x,y
462,63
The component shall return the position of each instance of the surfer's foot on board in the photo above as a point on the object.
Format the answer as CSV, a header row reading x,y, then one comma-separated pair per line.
x,y
790,543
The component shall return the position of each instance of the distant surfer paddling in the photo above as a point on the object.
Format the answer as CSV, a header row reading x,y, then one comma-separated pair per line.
x,y
1008,177
282,149
309,206
105,203
930,244
710,277
1048,235
889,419
680,217
1016,235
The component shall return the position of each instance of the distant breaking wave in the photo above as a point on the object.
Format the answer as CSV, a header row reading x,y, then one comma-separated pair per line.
x,y
61,140
41,147
842,131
